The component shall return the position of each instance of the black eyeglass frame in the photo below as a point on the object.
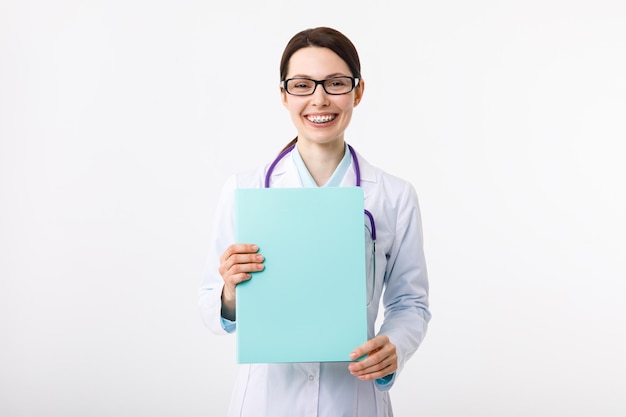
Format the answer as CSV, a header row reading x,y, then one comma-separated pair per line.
x,y
354,80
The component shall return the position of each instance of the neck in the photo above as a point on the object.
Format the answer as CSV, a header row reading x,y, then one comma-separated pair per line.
x,y
321,159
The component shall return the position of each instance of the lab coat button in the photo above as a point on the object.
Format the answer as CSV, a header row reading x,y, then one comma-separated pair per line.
x,y
311,377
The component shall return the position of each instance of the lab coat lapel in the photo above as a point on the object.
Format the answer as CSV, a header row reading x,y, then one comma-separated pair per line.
x,y
285,174
368,175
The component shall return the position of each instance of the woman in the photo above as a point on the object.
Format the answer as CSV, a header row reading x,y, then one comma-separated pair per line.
x,y
320,86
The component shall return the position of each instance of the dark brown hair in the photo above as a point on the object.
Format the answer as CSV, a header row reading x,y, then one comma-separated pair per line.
x,y
323,37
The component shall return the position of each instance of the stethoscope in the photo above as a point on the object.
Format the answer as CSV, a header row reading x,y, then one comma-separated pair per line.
x,y
357,171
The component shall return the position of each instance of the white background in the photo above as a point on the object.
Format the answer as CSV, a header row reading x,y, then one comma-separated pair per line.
x,y
120,120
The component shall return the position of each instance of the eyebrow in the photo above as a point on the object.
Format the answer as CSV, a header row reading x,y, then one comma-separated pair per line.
x,y
336,74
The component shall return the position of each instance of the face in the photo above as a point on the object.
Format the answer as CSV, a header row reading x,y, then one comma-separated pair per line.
x,y
320,118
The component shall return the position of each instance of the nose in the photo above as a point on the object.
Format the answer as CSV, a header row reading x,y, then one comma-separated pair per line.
x,y
320,97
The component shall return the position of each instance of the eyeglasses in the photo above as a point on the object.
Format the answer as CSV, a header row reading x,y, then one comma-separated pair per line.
x,y
306,86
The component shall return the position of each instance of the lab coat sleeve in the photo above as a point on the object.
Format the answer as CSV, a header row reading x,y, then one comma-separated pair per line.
x,y
405,299
222,235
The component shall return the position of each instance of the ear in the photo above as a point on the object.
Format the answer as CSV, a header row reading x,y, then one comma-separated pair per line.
x,y
283,97
358,92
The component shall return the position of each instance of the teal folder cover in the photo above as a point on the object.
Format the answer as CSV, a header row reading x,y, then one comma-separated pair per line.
x,y
309,303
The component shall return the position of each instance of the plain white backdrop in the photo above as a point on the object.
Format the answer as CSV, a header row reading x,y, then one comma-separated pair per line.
x,y
120,120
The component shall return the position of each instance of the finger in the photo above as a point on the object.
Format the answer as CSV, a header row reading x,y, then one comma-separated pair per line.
x,y
388,370
245,259
369,346
235,279
238,248
242,264
379,358
238,266
376,360
383,368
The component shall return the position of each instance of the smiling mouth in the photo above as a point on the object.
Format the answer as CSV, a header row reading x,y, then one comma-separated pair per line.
x,y
320,119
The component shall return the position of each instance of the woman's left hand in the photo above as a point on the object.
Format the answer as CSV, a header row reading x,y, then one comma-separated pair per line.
x,y
381,359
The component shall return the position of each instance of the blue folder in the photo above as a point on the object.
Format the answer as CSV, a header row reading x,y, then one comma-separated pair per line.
x,y
309,303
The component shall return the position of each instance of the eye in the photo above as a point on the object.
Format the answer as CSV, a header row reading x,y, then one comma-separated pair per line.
x,y
339,82
301,84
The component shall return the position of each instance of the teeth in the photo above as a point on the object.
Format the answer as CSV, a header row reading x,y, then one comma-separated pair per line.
x,y
321,119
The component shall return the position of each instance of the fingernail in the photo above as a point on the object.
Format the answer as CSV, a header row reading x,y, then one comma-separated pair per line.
x,y
255,247
353,355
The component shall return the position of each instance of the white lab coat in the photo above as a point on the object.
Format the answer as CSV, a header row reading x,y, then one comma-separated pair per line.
x,y
328,389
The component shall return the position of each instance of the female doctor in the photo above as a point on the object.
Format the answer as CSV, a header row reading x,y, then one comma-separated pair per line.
x,y
320,86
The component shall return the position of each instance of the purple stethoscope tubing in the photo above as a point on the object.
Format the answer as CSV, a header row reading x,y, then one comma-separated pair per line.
x,y
357,170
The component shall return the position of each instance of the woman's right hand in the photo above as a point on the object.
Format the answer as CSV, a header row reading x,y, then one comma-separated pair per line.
x,y
236,264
